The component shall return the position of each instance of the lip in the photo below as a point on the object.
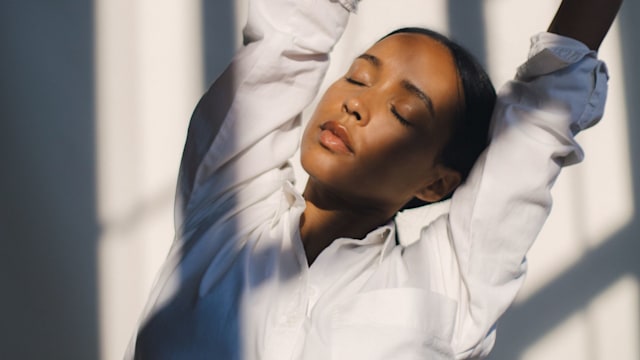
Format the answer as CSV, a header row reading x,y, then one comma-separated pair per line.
x,y
335,137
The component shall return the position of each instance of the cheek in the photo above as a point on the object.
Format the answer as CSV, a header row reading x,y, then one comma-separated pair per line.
x,y
330,100
391,143
401,160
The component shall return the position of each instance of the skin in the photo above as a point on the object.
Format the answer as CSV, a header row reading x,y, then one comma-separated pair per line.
x,y
352,190
587,21
394,139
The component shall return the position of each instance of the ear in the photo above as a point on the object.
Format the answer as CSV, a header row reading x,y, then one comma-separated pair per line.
x,y
443,183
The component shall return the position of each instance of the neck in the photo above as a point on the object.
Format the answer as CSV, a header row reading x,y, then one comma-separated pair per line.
x,y
329,216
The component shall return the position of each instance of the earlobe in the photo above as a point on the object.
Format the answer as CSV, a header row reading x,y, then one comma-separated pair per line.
x,y
445,183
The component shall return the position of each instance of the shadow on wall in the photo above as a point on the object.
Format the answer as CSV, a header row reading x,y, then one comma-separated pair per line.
x,y
48,222
526,323
218,30
629,15
48,226
467,27
192,330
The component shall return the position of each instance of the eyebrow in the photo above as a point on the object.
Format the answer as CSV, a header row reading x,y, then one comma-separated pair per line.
x,y
421,95
375,61
370,58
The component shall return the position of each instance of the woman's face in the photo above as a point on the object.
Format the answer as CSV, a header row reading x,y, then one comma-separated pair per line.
x,y
377,132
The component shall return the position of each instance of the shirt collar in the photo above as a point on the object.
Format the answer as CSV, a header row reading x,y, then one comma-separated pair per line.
x,y
294,198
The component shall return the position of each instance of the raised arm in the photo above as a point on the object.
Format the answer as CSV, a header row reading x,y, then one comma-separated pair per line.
x,y
241,134
479,250
246,125
587,21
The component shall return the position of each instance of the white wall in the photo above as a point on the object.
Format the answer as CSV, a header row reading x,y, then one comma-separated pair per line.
x,y
153,59
95,101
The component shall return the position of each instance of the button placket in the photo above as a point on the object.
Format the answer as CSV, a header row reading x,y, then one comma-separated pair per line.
x,y
312,297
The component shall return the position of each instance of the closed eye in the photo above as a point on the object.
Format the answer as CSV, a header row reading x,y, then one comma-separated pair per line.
x,y
399,117
354,82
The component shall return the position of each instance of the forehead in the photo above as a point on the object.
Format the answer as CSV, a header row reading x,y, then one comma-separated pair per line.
x,y
423,61
411,49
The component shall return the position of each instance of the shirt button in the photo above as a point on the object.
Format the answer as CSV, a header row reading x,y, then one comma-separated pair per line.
x,y
289,320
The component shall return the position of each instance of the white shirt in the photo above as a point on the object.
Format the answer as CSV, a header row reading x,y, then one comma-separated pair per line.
x,y
236,284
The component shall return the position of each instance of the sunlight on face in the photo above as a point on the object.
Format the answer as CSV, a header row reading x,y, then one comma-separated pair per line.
x,y
377,131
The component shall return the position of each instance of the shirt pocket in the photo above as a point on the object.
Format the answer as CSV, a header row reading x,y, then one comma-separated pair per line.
x,y
401,323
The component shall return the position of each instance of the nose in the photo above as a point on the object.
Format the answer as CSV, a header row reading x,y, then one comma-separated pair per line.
x,y
355,107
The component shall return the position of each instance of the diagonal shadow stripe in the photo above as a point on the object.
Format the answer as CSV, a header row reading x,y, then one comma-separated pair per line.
x,y
526,323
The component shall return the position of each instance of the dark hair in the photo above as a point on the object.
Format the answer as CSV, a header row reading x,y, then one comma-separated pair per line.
x,y
470,135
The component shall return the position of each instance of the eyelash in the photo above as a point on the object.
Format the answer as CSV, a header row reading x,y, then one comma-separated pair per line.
x,y
402,120
354,82
395,113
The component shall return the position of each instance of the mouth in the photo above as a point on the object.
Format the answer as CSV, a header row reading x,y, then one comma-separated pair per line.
x,y
335,137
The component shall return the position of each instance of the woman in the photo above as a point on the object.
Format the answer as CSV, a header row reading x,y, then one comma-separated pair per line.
x,y
258,271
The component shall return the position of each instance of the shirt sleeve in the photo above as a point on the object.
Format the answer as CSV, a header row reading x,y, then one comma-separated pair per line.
x,y
247,124
476,254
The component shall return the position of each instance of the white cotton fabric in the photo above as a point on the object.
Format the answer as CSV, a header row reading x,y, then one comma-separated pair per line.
x,y
236,284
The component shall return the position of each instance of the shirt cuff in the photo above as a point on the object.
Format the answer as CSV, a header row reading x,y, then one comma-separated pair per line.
x,y
563,60
551,52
